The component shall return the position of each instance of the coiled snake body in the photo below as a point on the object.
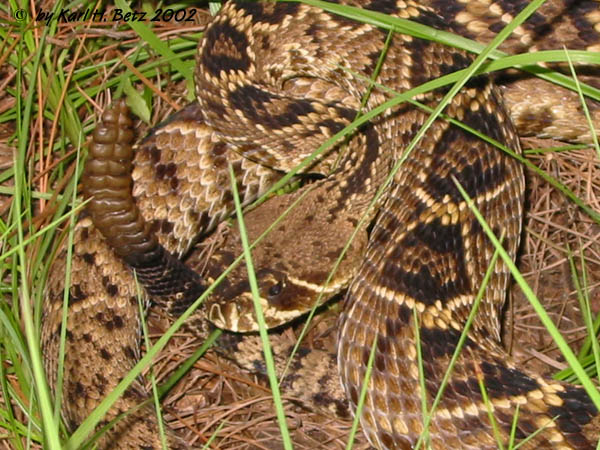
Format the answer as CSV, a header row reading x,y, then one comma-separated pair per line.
x,y
274,81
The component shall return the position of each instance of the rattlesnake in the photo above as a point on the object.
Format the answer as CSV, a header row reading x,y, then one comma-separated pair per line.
x,y
264,103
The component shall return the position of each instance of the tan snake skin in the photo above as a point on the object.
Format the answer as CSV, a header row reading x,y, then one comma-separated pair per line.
x,y
264,104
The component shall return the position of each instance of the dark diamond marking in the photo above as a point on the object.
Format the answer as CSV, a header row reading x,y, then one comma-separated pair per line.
x,y
224,35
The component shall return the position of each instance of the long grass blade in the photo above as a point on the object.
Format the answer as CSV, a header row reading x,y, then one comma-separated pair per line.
x,y
260,318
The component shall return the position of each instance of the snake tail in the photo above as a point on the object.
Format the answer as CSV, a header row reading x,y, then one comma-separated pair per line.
x,y
108,187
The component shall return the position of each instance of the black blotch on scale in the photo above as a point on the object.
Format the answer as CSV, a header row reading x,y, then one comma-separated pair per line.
x,y
420,283
253,102
271,13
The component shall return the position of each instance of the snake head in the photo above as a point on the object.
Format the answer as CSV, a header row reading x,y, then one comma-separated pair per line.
x,y
294,265
231,306
282,297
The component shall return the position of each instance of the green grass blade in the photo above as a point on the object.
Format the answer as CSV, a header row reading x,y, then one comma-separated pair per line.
x,y
151,39
459,345
489,409
260,318
537,306
363,394
21,199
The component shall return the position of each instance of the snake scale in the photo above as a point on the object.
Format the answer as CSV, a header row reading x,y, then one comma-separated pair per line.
x,y
273,82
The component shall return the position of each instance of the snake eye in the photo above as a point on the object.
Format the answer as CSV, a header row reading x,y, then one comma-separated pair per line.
x,y
276,289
